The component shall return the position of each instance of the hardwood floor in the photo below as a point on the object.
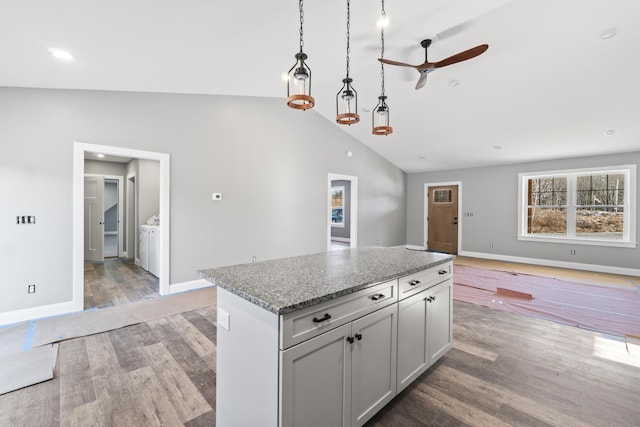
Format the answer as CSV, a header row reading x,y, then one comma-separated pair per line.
x,y
504,369
117,281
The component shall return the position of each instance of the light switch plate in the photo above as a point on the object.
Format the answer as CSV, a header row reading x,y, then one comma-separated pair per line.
x,y
223,319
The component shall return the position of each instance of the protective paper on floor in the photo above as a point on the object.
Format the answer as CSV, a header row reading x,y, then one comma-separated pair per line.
x,y
26,350
607,309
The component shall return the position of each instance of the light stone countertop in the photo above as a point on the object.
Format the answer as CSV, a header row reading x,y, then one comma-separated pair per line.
x,y
289,284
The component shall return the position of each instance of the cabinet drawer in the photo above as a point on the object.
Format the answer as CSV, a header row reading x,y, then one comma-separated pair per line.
x,y
309,322
417,282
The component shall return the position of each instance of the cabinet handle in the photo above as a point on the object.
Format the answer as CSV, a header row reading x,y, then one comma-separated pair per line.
x,y
442,272
358,337
326,317
414,282
377,297
431,299
350,340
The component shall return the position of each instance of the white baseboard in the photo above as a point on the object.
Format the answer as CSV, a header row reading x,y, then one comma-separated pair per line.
x,y
416,247
552,263
340,239
189,286
26,314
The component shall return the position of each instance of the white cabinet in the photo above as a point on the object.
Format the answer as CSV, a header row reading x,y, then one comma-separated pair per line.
x,y
342,377
149,252
424,330
335,363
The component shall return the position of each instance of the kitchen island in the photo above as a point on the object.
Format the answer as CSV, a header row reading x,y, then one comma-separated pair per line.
x,y
329,338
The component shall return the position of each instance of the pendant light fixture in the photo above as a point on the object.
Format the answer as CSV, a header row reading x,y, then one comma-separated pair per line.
x,y
299,76
347,97
381,111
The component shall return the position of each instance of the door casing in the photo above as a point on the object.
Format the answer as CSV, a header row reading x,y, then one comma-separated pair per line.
x,y
79,150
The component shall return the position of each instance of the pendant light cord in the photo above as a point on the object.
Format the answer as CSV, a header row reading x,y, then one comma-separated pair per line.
x,y
382,49
348,34
301,22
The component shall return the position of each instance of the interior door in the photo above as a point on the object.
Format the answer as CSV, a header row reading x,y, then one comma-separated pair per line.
x,y
93,218
442,219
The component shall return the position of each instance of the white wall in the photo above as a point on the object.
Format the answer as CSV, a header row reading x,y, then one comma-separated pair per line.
x,y
491,194
269,161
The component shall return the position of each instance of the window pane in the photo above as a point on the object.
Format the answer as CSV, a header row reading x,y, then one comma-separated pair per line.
x,y
548,221
600,222
604,190
548,191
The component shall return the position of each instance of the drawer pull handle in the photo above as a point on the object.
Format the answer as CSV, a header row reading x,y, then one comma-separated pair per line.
x,y
377,297
442,272
431,299
358,337
414,282
350,340
326,317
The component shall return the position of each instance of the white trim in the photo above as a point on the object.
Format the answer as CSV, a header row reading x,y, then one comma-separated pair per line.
x,y
79,149
341,239
416,247
425,219
25,314
353,215
552,263
189,286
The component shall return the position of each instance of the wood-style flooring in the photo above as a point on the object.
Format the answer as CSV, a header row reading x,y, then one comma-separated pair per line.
x,y
505,369
117,281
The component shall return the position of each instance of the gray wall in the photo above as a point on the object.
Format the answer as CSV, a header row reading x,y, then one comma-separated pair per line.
x,y
344,232
491,194
250,149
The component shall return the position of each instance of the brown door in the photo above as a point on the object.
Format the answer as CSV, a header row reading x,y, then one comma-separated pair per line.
x,y
442,219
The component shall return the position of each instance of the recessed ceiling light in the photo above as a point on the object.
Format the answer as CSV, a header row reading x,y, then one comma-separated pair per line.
x,y
497,147
609,33
610,132
60,54
100,156
454,83
366,110
422,158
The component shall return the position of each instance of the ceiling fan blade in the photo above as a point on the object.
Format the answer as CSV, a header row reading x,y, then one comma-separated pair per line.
x,y
422,80
462,56
402,64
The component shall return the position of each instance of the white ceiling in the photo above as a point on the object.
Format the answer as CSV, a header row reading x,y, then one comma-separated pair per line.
x,y
548,87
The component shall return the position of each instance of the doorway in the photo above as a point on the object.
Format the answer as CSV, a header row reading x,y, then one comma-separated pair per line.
x,y
442,213
342,220
80,149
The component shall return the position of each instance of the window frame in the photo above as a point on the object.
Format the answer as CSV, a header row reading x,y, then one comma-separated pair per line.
x,y
629,217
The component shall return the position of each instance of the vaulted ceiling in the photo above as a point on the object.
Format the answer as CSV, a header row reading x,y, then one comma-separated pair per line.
x,y
551,85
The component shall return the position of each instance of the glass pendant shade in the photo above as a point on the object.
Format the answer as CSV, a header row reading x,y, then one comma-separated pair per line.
x,y
299,84
347,104
381,118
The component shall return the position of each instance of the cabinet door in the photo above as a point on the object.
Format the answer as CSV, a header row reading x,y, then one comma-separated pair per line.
x,y
373,377
316,381
439,316
412,338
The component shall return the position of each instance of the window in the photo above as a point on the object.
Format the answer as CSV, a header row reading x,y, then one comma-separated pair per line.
x,y
337,206
595,206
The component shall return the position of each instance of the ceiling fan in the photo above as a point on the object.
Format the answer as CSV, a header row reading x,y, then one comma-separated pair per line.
x,y
428,67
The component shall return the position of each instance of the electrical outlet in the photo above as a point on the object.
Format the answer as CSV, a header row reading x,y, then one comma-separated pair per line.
x,y
573,251
31,289
491,245
253,258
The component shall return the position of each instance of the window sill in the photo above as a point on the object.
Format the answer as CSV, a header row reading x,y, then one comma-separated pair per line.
x,y
580,241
